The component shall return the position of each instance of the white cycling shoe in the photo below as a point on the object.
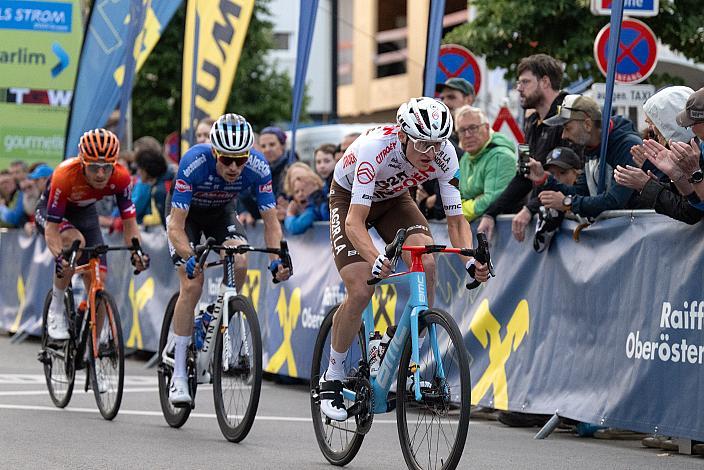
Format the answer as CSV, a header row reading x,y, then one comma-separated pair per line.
x,y
178,393
57,326
332,403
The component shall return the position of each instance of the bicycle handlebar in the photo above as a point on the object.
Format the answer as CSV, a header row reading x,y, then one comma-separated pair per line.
x,y
70,254
481,253
393,252
202,252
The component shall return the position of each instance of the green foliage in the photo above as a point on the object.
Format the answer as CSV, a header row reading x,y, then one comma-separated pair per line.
x,y
259,92
505,31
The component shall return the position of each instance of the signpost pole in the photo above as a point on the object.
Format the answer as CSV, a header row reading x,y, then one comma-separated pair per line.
x,y
614,41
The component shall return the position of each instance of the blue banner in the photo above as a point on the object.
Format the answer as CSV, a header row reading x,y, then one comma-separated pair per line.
x,y
306,27
106,49
432,50
604,330
55,17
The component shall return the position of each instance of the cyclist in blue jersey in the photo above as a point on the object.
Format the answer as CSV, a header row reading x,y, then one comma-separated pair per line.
x,y
203,200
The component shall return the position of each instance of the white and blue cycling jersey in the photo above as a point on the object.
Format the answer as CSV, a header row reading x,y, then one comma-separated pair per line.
x,y
198,185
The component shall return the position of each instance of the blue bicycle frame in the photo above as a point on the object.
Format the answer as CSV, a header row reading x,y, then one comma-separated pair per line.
x,y
417,303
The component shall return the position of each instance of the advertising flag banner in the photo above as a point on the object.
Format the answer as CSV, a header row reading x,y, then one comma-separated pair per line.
x,y
215,33
101,72
40,43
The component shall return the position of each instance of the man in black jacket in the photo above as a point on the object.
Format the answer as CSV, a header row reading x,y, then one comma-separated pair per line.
x,y
539,79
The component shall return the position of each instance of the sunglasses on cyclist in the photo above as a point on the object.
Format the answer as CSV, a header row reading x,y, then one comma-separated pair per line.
x,y
228,159
424,146
96,167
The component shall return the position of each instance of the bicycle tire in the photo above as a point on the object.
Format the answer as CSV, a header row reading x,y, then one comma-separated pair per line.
x,y
174,416
58,370
110,360
439,399
324,428
244,369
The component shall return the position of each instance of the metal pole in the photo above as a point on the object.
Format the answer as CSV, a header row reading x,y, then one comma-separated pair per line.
x,y
613,49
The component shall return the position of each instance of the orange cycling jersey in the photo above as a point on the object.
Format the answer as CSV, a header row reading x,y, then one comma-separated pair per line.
x,y
68,187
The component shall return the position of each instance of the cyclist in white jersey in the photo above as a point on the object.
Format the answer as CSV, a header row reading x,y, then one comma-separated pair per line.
x,y
370,189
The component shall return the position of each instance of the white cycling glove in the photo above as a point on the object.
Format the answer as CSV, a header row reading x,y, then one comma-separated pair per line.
x,y
471,269
378,264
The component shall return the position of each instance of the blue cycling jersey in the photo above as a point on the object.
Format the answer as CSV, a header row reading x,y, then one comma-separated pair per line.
x,y
198,184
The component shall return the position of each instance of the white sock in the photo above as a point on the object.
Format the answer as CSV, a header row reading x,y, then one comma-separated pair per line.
x,y
336,367
57,300
180,350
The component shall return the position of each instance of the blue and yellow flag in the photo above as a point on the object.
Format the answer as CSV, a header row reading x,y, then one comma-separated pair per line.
x,y
106,49
215,33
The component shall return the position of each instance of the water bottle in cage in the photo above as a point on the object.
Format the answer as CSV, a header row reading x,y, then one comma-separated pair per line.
x,y
374,357
385,341
201,323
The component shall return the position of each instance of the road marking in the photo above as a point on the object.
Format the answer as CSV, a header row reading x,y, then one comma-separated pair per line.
x,y
291,419
30,379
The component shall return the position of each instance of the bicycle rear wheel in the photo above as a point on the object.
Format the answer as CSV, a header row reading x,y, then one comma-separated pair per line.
x,y
433,431
174,416
107,370
58,359
237,370
339,441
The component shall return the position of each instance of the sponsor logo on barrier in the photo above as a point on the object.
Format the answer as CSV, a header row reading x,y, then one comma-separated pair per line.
x,y
487,329
288,313
671,346
384,307
138,300
252,285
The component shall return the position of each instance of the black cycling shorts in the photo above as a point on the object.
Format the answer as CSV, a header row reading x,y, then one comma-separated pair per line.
x,y
221,223
82,218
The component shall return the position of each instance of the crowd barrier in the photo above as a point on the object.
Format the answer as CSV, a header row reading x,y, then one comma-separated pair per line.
x,y
607,330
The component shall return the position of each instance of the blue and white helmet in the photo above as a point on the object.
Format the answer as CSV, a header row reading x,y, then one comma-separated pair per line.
x,y
231,133
425,119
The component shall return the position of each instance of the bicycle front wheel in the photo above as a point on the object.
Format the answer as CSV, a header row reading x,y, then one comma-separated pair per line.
x,y
339,441
107,369
237,370
433,431
174,416
58,360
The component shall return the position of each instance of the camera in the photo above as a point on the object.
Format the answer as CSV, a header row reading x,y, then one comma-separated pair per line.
x,y
523,159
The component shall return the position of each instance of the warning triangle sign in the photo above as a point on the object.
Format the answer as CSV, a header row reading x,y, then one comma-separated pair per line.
x,y
505,119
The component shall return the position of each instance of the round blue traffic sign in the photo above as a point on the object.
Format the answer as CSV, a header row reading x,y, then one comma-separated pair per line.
x,y
457,61
637,51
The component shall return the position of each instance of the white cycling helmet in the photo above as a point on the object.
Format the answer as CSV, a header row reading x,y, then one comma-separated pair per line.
x,y
425,119
231,133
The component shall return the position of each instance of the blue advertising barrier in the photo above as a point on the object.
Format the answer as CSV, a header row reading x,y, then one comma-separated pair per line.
x,y
607,330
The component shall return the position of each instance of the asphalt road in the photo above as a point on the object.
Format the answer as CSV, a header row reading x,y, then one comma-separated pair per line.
x,y
35,434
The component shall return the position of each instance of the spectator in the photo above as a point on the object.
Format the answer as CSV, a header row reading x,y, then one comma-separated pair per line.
x,y
346,142
36,184
581,118
682,162
294,172
666,198
308,205
203,131
456,92
11,207
488,163
538,85
565,166
325,165
18,170
149,194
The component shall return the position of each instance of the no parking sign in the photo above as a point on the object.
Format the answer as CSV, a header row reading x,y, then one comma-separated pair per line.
x,y
637,51
457,61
